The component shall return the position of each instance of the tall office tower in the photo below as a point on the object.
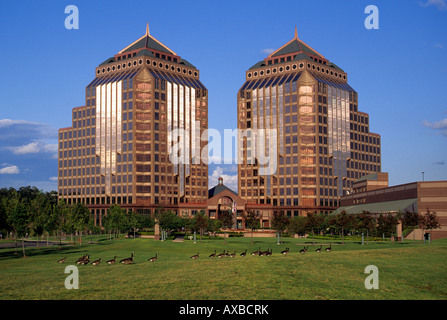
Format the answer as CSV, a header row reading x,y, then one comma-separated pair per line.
x,y
136,142
297,109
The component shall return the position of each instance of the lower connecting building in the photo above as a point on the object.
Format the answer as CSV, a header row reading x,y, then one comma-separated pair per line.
x,y
373,195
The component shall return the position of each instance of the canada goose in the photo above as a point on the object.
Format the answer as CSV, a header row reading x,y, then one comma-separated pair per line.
x,y
256,253
85,258
264,253
153,259
62,260
196,256
128,260
232,255
304,250
319,249
213,255
96,262
243,254
269,253
82,258
328,249
221,255
112,261
227,254
285,251
84,262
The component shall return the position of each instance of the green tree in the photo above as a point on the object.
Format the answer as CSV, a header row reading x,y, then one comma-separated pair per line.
x,y
18,218
410,221
252,221
200,223
79,218
168,220
386,224
343,220
366,223
61,218
116,219
38,207
134,221
430,221
280,222
314,222
226,218
214,225
297,225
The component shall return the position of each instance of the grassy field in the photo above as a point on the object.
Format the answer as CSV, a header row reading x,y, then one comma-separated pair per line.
x,y
406,271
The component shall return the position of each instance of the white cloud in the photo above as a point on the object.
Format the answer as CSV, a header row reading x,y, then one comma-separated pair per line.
x,y
437,125
53,179
9,122
10,170
228,180
440,4
439,45
268,50
34,147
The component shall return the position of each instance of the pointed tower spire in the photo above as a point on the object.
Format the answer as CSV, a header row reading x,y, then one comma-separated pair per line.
x,y
147,29
296,33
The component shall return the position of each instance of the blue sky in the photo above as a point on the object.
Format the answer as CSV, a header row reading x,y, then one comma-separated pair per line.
x,y
399,70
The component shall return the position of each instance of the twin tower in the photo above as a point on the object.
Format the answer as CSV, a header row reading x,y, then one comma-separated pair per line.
x,y
303,141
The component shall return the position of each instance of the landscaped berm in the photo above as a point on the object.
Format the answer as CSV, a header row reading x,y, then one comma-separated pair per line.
x,y
185,270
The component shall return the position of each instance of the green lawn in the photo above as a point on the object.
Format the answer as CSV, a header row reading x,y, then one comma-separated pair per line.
x,y
406,271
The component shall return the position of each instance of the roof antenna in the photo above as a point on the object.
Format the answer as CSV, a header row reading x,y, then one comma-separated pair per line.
x,y
147,30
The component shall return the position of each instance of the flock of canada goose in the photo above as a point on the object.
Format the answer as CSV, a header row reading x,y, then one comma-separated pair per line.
x,y
258,252
86,258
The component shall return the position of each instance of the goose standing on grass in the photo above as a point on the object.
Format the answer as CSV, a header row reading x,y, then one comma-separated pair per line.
x,y
96,262
112,261
285,251
319,249
62,260
85,261
196,256
128,260
243,254
269,253
329,249
213,255
303,250
256,253
153,259
232,255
